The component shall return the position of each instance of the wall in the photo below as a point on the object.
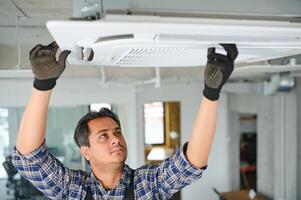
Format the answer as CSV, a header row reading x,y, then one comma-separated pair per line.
x,y
276,140
285,151
299,137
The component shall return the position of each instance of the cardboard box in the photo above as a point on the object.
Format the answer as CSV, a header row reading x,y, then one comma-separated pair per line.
x,y
238,195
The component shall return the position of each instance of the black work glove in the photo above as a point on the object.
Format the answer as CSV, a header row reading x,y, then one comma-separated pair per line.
x,y
45,68
218,69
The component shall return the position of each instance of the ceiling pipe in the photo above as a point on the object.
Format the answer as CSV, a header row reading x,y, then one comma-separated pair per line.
x,y
18,43
25,73
18,9
156,80
267,68
281,82
102,76
23,15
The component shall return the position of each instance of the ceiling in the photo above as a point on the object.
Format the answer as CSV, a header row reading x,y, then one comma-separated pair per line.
x,y
22,26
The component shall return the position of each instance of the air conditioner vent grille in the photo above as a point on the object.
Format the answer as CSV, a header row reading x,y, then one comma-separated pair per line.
x,y
158,55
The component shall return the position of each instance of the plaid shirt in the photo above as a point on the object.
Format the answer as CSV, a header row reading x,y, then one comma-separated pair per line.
x,y
49,175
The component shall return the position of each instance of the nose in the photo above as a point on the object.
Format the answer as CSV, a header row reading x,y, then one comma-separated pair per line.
x,y
115,140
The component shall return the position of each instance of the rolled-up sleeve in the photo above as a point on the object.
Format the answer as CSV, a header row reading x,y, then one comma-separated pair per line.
x,y
177,172
185,167
37,156
43,170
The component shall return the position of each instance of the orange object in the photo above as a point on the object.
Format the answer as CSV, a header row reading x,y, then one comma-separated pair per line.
x,y
248,168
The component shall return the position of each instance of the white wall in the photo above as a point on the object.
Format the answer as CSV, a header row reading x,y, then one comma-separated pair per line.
x,y
285,151
299,137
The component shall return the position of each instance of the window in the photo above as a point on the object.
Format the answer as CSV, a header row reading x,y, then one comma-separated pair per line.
x,y
4,139
61,123
154,123
98,106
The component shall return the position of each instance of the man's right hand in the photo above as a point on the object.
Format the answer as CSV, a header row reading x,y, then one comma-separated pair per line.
x,y
45,67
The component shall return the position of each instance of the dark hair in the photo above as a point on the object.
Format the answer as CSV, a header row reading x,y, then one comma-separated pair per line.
x,y
82,131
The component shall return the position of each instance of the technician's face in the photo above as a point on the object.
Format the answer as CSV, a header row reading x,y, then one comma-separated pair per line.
x,y
107,144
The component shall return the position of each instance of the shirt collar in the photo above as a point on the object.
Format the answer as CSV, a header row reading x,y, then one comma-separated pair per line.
x,y
123,182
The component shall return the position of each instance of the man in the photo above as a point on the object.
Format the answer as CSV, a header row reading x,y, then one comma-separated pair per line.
x,y
101,142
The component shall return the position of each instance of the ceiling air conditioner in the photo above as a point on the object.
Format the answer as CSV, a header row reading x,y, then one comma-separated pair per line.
x,y
148,41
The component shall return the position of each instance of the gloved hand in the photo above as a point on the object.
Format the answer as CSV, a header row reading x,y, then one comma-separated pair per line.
x,y
218,69
45,67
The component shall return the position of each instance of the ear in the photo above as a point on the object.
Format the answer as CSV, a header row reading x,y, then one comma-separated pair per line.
x,y
85,151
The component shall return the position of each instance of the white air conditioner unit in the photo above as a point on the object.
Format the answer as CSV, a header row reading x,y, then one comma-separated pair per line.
x,y
148,41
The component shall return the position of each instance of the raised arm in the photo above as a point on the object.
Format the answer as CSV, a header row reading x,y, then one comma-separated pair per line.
x,y
218,69
33,124
46,71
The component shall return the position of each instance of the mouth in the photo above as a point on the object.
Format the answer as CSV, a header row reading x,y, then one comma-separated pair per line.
x,y
117,150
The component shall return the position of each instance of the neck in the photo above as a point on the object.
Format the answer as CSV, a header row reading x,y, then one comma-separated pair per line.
x,y
109,176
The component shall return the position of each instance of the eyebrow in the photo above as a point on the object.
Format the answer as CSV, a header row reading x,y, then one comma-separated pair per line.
x,y
106,130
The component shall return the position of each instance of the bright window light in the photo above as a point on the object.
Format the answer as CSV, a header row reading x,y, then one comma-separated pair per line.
x,y
98,106
160,153
154,123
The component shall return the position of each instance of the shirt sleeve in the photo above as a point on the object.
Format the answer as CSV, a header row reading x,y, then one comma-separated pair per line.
x,y
43,170
177,172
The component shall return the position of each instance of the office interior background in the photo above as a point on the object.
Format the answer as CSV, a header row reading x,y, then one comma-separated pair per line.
x,y
258,136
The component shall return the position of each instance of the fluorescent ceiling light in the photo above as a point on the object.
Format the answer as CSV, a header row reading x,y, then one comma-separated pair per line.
x,y
147,41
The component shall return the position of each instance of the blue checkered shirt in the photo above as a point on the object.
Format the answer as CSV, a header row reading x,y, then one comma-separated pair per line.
x,y
49,175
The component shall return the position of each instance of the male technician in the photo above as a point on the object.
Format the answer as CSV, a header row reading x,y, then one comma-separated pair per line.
x,y
101,141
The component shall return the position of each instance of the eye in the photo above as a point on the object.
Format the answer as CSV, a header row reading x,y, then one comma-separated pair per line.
x,y
102,136
118,132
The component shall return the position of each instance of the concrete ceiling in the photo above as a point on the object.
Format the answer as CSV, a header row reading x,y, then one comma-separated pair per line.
x,y
22,26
